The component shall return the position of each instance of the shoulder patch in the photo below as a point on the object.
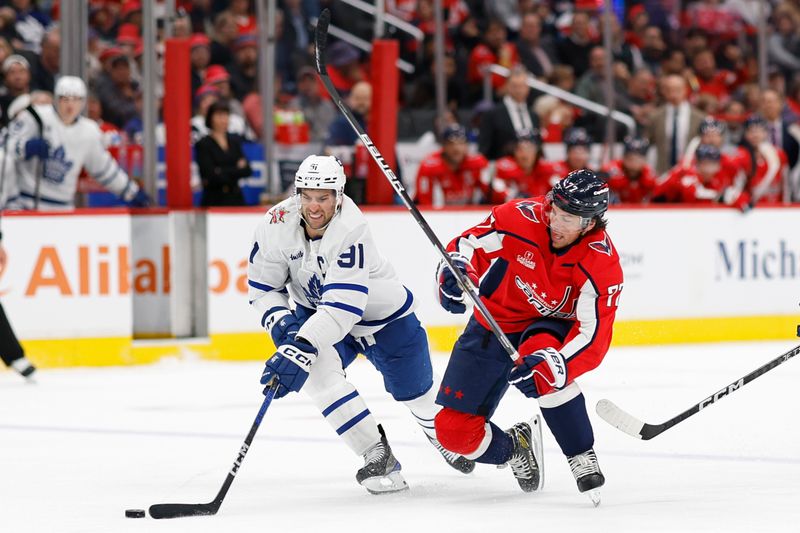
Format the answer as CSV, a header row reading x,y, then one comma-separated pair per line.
x,y
277,215
603,246
528,209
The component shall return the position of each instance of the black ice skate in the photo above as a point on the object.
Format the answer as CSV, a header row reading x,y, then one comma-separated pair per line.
x,y
527,459
587,474
459,462
24,367
381,471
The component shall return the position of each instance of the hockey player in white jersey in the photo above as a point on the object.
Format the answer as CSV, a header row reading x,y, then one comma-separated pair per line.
x,y
315,249
51,144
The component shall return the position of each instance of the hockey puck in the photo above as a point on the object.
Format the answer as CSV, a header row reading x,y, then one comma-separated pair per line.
x,y
134,513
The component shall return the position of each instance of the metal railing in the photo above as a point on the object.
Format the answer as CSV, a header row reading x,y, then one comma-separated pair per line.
x,y
567,96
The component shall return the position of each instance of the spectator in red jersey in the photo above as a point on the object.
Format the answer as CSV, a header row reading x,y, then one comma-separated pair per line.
x,y
495,48
631,179
524,173
716,82
507,120
452,176
762,167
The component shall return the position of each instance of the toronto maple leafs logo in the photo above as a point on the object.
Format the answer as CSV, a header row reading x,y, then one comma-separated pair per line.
x,y
277,214
314,291
528,209
603,246
57,166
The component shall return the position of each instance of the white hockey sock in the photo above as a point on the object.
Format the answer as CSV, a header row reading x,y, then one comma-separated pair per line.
x,y
424,409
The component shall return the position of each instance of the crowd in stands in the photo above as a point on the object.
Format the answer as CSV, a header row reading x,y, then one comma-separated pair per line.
x,y
684,70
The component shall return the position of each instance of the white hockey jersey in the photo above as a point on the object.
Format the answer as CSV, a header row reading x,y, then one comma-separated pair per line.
x,y
342,275
72,147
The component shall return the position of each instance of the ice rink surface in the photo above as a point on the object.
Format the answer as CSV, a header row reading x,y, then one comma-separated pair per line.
x,y
83,445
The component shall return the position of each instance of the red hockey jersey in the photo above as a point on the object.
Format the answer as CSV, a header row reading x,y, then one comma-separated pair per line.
x,y
439,184
523,279
627,190
511,181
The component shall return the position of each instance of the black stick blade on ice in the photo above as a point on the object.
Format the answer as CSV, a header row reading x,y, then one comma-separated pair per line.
x,y
180,510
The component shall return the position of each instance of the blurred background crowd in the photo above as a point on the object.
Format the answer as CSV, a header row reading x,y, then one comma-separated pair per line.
x,y
708,123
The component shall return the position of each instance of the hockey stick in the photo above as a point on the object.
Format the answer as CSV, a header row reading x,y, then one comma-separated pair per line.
x,y
40,164
321,39
634,427
178,510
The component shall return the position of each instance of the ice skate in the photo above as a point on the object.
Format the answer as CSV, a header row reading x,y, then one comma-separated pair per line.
x,y
527,459
381,471
459,462
587,474
25,368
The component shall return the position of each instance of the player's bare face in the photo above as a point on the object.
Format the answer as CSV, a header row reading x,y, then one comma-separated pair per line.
x,y
565,228
69,107
318,208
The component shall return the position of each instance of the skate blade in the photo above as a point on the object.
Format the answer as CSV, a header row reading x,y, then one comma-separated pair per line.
x,y
391,482
594,495
538,450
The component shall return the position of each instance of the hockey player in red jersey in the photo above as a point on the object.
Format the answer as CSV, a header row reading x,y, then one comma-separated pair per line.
x,y
524,173
551,278
577,142
705,182
631,179
761,167
452,176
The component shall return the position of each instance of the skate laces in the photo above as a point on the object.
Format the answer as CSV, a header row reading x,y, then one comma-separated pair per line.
x,y
584,464
519,462
450,456
376,454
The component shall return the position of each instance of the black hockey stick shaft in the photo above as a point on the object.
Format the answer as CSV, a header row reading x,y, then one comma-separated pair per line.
x,y
39,163
629,424
178,510
321,38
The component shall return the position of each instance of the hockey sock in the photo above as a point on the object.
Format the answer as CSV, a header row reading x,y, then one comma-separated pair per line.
x,y
348,415
496,448
424,409
566,416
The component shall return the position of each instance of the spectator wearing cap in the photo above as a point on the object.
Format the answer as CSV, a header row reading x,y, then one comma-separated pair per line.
x,y
45,66
244,69
217,76
205,96
31,24
116,88
630,179
537,52
673,124
509,118
524,173
225,33
319,112
16,82
494,48
131,13
220,160
199,58
452,176
344,66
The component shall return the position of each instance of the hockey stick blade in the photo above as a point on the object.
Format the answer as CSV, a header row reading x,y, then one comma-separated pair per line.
x,y
180,510
627,423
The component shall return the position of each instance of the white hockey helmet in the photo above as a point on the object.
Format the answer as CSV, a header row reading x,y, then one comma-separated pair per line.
x,y
321,172
70,86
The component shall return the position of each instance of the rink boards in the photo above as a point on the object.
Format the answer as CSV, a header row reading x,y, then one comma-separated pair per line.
x,y
80,287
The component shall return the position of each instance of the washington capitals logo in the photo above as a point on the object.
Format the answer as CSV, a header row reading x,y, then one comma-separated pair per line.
x,y
57,166
528,209
544,305
276,215
314,291
603,246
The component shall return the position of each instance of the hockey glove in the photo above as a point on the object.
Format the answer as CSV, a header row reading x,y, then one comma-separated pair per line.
x,y
283,328
540,373
451,297
140,199
37,147
290,366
